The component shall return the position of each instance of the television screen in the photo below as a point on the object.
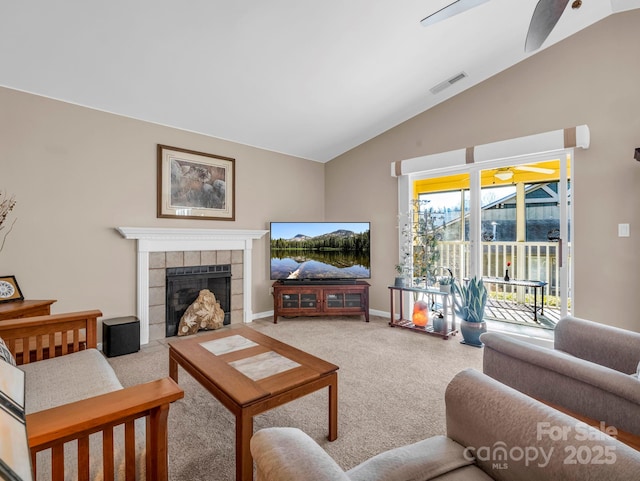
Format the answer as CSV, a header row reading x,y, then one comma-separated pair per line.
x,y
308,251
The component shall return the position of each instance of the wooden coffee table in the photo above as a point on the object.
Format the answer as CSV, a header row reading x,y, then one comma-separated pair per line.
x,y
250,373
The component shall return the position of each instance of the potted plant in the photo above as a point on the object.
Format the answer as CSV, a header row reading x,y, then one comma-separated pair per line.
x,y
419,238
445,283
439,323
399,282
469,301
425,242
404,266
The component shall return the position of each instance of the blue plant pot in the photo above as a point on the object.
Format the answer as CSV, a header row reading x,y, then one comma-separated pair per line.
x,y
471,332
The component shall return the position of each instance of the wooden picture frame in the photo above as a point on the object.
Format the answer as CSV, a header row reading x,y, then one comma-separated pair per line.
x,y
9,289
195,185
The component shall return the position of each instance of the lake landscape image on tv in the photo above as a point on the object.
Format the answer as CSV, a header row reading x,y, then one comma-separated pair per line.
x,y
320,250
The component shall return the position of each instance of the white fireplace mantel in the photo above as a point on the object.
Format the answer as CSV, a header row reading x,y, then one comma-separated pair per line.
x,y
160,239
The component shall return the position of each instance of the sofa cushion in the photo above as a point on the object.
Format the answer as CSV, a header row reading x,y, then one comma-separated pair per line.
x,y
466,473
66,379
608,346
5,353
421,461
289,454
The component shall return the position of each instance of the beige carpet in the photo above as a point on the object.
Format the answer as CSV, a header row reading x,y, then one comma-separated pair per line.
x,y
391,388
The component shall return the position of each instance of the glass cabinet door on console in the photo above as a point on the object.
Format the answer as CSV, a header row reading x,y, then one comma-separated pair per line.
x,y
343,300
297,300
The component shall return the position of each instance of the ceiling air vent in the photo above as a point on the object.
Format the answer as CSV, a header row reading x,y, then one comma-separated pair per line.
x,y
448,83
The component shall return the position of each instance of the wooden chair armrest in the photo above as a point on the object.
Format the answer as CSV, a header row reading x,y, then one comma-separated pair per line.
x,y
48,430
73,420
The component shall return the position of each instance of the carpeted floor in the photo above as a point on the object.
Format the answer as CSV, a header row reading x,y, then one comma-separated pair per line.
x,y
391,392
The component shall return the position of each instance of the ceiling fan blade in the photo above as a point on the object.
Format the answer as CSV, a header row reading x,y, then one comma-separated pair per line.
x,y
545,16
459,6
531,168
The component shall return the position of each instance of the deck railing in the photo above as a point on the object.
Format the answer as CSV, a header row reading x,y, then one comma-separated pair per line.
x,y
529,260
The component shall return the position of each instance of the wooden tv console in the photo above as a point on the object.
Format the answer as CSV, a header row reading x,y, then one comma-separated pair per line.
x,y
309,299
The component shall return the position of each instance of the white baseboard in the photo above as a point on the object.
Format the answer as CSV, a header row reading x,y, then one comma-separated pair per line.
x,y
261,315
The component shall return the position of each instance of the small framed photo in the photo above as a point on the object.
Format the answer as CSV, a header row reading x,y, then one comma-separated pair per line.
x,y
195,185
9,290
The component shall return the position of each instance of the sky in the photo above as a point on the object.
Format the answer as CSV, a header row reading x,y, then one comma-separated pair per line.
x,y
287,230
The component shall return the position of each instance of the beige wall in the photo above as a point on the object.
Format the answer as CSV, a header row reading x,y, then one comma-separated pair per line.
x,y
78,173
592,78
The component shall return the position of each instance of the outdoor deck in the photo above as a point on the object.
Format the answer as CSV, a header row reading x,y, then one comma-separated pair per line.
x,y
517,314
512,312
532,262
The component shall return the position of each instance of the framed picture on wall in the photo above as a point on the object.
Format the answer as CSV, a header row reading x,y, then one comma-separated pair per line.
x,y
195,185
9,290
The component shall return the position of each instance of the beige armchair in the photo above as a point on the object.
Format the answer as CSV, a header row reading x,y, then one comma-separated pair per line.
x,y
590,372
489,427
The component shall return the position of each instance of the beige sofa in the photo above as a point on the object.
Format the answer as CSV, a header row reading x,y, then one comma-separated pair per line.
x,y
590,371
493,432
81,422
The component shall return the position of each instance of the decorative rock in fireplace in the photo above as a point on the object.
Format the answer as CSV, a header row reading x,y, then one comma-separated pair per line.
x,y
184,285
204,313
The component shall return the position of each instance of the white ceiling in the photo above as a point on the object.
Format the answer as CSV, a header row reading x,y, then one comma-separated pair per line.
x,y
307,78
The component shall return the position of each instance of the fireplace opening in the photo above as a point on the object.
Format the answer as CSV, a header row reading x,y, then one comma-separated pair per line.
x,y
185,283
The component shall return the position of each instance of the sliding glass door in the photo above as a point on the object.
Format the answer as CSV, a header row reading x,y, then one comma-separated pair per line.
x,y
508,221
521,212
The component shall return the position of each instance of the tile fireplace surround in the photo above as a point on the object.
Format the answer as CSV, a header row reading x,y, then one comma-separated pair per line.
x,y
185,241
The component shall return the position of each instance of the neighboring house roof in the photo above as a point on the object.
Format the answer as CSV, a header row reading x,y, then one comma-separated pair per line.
x,y
541,227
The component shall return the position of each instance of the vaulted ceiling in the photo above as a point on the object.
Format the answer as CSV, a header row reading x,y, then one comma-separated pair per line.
x,y
312,79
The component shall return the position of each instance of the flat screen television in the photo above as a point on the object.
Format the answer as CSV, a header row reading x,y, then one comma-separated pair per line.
x,y
320,251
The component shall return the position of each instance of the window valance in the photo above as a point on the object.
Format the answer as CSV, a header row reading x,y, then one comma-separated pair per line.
x,y
533,144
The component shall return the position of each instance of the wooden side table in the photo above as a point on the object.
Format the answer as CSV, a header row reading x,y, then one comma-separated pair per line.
x,y
448,322
27,308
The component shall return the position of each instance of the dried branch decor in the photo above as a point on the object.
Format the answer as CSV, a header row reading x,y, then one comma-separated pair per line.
x,y
7,203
